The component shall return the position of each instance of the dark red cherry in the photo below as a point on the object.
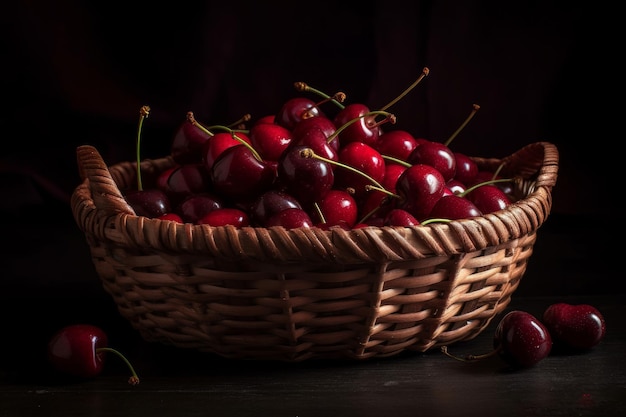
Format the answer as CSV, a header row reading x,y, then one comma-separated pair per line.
x,y
240,176
396,143
151,202
489,198
294,110
290,218
574,326
219,142
187,179
307,178
399,217
225,216
436,155
454,207
364,159
419,188
316,139
270,203
338,208
365,129
195,206
522,340
466,168
321,122
269,140
188,141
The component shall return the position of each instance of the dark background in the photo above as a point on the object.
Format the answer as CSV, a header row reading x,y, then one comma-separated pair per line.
x,y
77,73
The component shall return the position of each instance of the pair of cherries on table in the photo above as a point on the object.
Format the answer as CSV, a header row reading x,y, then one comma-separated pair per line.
x,y
522,340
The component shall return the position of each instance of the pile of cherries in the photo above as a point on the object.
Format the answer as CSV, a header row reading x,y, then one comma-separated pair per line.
x,y
522,340
316,164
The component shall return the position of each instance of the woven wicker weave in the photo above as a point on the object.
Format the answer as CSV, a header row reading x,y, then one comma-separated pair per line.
x,y
292,295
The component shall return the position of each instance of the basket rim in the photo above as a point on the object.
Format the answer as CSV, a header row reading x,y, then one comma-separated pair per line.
x,y
102,213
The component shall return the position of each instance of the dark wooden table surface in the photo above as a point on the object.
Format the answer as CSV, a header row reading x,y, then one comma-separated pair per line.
x,y
182,383
55,284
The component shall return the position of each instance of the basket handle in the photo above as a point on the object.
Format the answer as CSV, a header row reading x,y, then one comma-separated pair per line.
x,y
104,191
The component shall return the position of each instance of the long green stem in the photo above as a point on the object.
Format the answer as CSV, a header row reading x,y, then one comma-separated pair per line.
x,y
425,72
134,379
143,114
475,108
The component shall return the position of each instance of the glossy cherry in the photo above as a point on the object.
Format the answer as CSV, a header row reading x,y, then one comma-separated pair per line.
x,y
368,167
240,176
270,203
437,155
454,207
188,141
290,218
305,177
336,208
219,142
488,198
419,187
149,202
225,216
294,110
270,140
396,143
522,340
399,217
362,125
196,206
466,168
575,326
79,350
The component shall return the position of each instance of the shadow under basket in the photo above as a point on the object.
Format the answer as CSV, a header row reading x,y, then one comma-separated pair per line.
x,y
292,295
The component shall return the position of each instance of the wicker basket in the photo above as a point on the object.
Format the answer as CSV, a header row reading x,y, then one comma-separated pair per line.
x,y
292,295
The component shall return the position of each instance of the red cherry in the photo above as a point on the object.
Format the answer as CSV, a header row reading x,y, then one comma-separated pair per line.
x,y
365,129
338,208
294,110
454,207
172,217
188,141
316,139
290,218
488,198
150,202
219,142
270,203
399,217
436,155
321,122
269,140
419,187
240,176
225,216
466,168
306,178
79,350
396,143
574,326
522,340
196,206
187,179
365,160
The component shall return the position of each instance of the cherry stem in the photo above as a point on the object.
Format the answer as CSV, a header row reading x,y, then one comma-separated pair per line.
x,y
240,124
396,160
475,108
424,74
318,210
480,184
310,153
388,118
134,379
234,135
143,114
470,357
192,119
338,98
